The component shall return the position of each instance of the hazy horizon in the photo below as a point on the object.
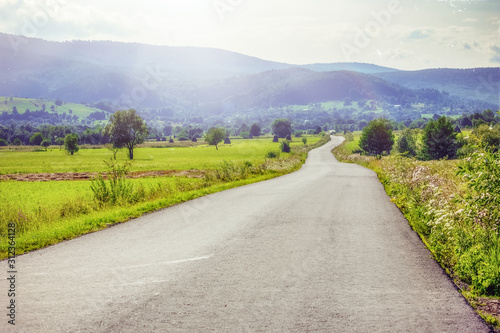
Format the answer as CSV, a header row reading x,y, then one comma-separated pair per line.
x,y
402,34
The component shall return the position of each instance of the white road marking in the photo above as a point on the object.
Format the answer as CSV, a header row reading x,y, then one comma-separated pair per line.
x,y
171,262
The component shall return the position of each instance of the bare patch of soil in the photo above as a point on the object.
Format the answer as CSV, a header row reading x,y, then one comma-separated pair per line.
x,y
489,306
45,177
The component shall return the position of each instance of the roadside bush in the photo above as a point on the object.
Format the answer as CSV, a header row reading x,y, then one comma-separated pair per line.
x,y
3,143
272,154
225,171
489,136
116,187
349,137
285,147
407,142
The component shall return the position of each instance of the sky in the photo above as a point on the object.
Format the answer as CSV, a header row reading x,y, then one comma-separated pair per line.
x,y
403,34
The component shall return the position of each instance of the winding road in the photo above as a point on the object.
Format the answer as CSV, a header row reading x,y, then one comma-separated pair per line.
x,y
319,250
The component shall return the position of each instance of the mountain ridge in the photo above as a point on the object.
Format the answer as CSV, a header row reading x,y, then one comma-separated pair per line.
x,y
141,75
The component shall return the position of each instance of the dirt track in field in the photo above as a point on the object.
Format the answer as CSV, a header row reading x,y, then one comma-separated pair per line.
x,y
45,177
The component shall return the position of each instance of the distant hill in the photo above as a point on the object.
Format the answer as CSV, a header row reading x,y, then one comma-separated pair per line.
x,y
296,86
88,71
349,66
477,83
189,78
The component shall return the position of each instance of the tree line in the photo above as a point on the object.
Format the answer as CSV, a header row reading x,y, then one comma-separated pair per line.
x,y
437,140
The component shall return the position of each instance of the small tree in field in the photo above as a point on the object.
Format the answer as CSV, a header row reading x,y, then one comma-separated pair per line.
x,y
71,143
377,137
45,144
126,129
304,140
282,127
215,135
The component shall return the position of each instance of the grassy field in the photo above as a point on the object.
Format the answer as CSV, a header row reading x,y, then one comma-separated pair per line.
x,y
145,159
52,211
22,104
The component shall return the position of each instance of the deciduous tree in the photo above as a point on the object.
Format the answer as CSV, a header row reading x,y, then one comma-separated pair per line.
x,y
282,128
71,143
126,129
215,135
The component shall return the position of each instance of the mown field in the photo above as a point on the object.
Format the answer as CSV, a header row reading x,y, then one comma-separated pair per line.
x,y
199,157
52,211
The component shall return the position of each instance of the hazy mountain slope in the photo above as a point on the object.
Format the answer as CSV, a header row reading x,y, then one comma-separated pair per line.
x,y
91,71
296,86
142,76
349,66
477,83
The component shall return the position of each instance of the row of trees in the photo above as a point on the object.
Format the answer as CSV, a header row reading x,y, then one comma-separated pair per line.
x,y
439,139
126,129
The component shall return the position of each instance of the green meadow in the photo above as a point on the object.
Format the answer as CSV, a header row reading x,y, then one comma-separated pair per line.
x,y
48,212
199,157
33,104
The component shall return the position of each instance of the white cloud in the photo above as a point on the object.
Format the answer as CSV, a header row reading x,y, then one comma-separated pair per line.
x,y
420,34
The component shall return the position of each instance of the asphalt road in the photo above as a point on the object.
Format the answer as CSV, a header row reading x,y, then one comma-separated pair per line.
x,y
319,250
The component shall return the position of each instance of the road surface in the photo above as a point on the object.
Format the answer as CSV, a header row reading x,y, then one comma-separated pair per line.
x,y
319,250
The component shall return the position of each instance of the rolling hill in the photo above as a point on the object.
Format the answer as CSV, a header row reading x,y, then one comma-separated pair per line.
x,y
146,76
295,86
